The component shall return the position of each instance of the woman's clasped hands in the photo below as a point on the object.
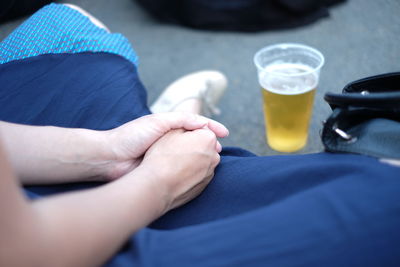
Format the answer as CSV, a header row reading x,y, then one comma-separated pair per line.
x,y
178,153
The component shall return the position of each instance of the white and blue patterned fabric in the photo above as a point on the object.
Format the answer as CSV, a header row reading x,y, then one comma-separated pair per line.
x,y
56,29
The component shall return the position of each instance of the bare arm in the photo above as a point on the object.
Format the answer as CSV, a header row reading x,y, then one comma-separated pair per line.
x,y
87,227
46,154
78,229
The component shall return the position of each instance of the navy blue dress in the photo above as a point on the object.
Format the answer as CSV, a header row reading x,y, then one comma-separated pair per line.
x,y
300,210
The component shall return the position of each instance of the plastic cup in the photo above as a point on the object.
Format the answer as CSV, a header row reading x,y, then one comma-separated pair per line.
x,y
288,74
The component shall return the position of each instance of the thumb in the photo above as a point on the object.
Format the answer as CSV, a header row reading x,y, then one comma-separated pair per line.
x,y
189,121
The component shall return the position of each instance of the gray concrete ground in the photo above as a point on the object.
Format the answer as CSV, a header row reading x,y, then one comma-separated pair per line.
x,y
360,38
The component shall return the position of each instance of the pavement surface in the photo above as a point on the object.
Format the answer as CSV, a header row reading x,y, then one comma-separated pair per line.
x,y
360,38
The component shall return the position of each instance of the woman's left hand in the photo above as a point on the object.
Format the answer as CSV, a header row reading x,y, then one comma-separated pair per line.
x,y
129,142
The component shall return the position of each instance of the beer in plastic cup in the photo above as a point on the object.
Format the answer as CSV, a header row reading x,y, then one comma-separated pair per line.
x,y
288,75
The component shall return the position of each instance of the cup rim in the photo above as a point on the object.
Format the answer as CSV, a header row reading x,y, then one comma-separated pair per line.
x,y
306,47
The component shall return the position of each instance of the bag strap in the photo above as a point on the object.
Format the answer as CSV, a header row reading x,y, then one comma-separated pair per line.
x,y
375,92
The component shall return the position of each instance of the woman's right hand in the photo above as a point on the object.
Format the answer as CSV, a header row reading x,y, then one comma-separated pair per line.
x,y
181,164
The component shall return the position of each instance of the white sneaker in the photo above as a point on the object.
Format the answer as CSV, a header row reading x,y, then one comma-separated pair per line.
x,y
208,86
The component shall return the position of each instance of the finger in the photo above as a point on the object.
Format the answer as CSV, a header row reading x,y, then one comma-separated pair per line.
x,y
216,160
204,136
189,121
218,147
175,120
218,128
198,122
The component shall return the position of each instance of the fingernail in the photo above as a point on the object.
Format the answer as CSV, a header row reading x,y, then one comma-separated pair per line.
x,y
227,131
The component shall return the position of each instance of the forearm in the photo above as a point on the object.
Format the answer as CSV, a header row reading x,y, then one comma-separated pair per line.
x,y
45,154
87,228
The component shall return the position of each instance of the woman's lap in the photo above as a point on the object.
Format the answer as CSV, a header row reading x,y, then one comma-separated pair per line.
x,y
86,90
243,184
303,210
278,211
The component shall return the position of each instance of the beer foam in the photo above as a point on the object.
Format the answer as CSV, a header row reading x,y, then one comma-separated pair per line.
x,y
288,78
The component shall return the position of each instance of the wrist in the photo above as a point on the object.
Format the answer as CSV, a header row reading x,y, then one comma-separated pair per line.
x,y
157,191
91,149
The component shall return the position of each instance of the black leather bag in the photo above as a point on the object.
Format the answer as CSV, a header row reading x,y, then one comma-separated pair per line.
x,y
365,118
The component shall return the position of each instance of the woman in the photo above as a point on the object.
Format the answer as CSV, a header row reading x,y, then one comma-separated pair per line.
x,y
62,68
